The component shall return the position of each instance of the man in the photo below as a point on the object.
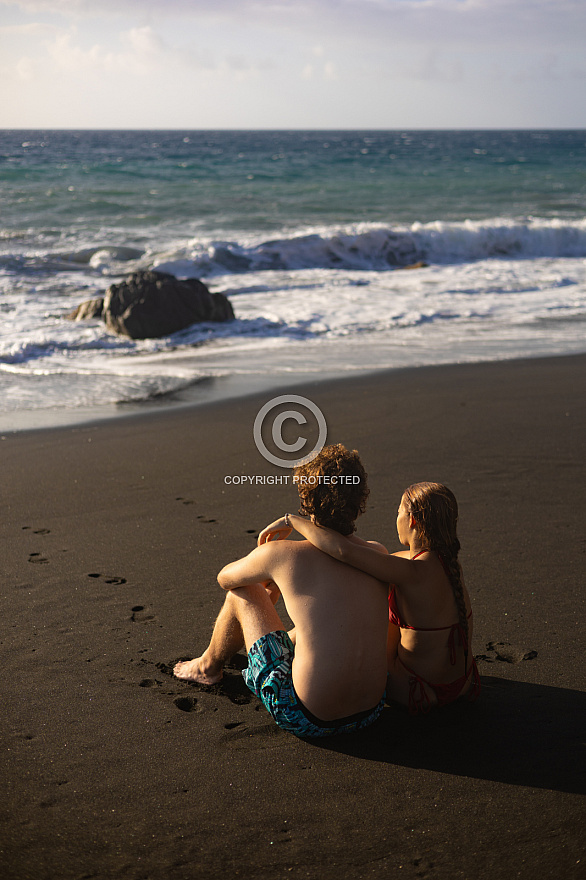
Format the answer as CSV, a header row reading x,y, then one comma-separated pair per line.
x,y
328,674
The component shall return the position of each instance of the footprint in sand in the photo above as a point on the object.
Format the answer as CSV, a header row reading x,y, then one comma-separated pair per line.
x,y
506,653
37,559
187,704
141,614
424,867
202,516
110,579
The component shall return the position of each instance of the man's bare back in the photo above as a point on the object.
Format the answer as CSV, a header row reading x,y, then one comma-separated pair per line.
x,y
340,618
332,678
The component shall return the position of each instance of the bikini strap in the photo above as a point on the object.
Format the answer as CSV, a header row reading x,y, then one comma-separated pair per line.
x,y
418,698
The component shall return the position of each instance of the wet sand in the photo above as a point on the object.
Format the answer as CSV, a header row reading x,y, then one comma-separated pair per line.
x,y
112,535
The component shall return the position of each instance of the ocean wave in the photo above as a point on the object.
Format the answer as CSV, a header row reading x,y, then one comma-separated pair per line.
x,y
291,321
99,259
365,247
97,255
382,248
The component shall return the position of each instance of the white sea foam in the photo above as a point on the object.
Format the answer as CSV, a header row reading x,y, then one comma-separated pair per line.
x,y
81,210
368,246
364,247
311,320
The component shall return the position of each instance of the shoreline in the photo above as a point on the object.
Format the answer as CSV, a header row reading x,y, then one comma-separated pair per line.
x,y
113,535
204,392
223,390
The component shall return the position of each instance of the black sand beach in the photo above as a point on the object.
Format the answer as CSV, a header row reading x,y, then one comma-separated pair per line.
x,y
112,535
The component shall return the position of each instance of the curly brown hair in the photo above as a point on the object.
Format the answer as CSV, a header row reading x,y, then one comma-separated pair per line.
x,y
333,488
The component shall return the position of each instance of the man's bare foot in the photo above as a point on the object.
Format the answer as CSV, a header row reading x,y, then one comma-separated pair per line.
x,y
193,670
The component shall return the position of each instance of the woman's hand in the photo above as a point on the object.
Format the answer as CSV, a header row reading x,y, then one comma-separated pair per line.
x,y
277,531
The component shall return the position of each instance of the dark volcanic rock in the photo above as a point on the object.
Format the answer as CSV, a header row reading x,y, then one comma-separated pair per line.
x,y
92,308
151,304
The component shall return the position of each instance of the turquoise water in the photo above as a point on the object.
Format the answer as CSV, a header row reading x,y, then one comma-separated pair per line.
x,y
280,180
304,231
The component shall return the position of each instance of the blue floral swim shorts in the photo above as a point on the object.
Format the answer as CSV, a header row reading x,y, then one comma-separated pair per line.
x,y
269,676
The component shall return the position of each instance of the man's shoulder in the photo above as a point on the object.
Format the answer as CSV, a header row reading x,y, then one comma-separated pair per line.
x,y
288,549
283,556
282,547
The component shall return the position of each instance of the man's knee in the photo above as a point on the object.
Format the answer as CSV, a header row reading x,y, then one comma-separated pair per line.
x,y
251,593
252,599
255,612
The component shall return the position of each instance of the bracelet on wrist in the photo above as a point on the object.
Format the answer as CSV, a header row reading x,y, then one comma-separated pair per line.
x,y
287,521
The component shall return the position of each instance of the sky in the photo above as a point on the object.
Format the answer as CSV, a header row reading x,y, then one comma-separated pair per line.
x,y
292,64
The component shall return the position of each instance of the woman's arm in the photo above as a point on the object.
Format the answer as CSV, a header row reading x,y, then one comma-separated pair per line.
x,y
390,569
277,531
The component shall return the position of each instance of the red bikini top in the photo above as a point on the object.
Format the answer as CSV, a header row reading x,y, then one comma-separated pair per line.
x,y
454,627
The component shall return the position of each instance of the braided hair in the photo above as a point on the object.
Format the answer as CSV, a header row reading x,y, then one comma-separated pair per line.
x,y
435,510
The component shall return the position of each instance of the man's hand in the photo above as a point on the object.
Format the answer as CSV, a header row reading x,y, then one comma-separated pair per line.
x,y
277,531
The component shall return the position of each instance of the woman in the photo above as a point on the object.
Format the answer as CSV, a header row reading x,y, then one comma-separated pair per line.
x,y
429,653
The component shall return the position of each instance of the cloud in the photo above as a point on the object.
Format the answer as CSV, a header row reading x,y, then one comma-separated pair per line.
x,y
355,25
321,66
141,49
33,29
444,53
67,7
325,71
138,51
436,67
27,69
144,41
330,70
242,68
481,20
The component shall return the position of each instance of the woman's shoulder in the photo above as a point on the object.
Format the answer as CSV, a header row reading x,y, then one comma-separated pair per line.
x,y
422,576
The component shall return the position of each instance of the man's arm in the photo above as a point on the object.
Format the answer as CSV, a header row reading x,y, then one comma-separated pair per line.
x,y
277,531
382,566
257,567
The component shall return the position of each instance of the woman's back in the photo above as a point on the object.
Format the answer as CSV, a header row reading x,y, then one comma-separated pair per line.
x,y
434,647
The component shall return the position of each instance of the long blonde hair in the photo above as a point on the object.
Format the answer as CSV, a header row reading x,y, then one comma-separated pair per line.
x,y
435,510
